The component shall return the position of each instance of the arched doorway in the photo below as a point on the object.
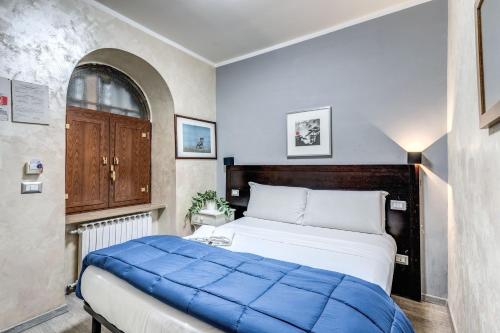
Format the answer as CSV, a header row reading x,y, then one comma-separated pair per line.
x,y
161,115
161,111
108,140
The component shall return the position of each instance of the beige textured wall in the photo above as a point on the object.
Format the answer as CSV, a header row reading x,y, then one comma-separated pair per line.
x,y
474,187
192,176
41,41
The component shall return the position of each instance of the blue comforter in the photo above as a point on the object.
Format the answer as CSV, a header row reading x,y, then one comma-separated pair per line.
x,y
241,292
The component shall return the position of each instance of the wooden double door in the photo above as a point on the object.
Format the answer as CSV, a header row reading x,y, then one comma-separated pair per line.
x,y
108,160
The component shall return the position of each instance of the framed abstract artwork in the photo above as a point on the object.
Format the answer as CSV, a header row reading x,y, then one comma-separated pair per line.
x,y
488,61
309,133
195,138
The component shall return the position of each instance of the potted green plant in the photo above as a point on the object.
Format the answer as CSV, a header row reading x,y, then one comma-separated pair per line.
x,y
210,201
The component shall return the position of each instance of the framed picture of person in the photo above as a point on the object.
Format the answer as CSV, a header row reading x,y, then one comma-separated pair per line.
x,y
195,138
309,133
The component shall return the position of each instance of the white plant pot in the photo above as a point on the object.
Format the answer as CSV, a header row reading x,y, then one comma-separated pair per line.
x,y
211,205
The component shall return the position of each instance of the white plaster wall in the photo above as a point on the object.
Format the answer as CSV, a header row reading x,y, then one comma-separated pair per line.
x,y
434,245
41,41
474,187
434,221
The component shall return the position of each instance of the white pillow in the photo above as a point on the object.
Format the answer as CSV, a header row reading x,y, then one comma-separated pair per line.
x,y
276,203
361,211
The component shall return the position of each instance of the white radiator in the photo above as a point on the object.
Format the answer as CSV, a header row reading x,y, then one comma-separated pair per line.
x,y
101,234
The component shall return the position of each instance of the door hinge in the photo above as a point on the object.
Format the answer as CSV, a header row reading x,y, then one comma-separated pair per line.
x,y
67,126
145,135
66,196
145,189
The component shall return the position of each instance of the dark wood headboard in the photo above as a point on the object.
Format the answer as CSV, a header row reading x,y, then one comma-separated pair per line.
x,y
401,181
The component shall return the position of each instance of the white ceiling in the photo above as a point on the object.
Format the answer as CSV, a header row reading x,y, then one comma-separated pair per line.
x,y
223,31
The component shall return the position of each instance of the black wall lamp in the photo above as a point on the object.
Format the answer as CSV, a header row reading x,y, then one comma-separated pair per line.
x,y
228,161
414,157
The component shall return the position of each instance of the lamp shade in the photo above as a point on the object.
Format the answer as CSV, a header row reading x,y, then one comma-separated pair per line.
x,y
414,157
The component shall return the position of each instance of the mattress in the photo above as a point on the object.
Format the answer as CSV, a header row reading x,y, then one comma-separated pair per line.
x,y
367,256
133,311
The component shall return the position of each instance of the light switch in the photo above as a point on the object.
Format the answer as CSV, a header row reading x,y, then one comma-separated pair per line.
x,y
235,193
31,187
398,205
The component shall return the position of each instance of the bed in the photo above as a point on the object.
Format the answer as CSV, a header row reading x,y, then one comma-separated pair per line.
x,y
400,181
369,257
363,258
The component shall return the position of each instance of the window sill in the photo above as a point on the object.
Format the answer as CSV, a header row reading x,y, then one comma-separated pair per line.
x,y
113,212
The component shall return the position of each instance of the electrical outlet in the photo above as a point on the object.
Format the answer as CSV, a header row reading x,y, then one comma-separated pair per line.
x,y
235,193
398,205
402,259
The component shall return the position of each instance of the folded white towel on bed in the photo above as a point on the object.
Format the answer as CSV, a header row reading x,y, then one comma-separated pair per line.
x,y
205,231
225,233
212,236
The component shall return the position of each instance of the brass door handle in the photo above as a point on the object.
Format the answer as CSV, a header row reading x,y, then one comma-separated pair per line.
x,y
112,174
116,161
104,160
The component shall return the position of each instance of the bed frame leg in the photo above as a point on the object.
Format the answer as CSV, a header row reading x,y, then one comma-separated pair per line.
x,y
96,326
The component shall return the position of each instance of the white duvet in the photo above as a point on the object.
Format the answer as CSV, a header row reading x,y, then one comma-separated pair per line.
x,y
366,256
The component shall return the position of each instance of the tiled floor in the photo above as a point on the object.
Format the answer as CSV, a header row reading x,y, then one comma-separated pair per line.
x,y
426,317
76,320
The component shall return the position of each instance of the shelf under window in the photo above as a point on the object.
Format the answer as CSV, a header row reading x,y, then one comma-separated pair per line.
x,y
113,212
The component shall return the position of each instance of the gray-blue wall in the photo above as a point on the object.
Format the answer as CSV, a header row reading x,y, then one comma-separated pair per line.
x,y
386,82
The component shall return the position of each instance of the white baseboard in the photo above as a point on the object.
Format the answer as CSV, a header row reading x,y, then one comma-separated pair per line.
x,y
37,320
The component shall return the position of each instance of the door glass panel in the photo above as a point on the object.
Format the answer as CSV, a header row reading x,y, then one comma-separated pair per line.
x,y
102,88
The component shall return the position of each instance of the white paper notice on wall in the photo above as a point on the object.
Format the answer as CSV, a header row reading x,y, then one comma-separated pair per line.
x,y
30,103
5,99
